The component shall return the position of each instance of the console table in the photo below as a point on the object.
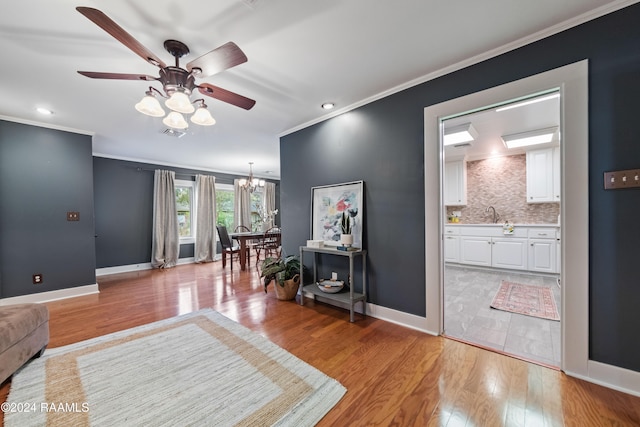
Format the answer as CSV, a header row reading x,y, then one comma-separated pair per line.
x,y
351,297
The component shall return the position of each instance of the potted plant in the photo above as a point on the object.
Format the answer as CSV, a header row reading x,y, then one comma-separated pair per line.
x,y
285,272
346,238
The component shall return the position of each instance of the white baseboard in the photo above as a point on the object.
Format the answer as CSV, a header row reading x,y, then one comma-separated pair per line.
x,y
122,269
48,296
399,318
136,267
621,379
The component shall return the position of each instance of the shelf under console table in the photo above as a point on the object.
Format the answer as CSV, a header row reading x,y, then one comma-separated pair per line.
x,y
351,297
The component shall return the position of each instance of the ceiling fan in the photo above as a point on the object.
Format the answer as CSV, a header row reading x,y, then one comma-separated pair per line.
x,y
178,83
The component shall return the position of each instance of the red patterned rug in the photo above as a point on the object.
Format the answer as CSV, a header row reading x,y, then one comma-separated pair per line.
x,y
536,301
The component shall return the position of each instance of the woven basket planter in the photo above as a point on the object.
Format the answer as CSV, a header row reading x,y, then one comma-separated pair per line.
x,y
289,290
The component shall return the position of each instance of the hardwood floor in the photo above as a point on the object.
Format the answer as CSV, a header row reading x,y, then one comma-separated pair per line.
x,y
395,376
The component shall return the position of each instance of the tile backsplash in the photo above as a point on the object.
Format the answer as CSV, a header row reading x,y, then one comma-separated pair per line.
x,y
501,182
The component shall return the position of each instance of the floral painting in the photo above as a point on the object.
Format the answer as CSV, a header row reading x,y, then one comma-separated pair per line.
x,y
328,204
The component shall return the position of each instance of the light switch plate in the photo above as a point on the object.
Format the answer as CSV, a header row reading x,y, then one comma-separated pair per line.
x,y
629,178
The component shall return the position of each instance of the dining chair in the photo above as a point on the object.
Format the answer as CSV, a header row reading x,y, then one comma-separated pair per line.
x,y
228,247
270,243
250,243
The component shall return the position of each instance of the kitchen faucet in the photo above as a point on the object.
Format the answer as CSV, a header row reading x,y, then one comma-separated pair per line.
x,y
496,217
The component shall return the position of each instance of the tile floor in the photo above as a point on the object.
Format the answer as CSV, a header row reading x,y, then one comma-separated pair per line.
x,y
468,292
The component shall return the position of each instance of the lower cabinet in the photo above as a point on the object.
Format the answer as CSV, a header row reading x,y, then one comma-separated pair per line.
x,y
509,253
542,255
501,252
529,248
452,248
475,250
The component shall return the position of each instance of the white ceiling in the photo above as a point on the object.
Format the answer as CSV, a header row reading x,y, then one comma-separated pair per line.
x,y
301,53
491,124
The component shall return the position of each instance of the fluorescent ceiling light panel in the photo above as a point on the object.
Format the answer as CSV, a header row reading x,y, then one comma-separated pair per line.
x,y
528,102
524,139
459,134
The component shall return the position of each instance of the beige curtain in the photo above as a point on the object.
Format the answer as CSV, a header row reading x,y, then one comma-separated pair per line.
x,y
242,205
205,247
165,241
270,202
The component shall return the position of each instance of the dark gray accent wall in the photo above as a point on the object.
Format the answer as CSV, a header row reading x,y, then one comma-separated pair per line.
x,y
381,143
45,173
123,192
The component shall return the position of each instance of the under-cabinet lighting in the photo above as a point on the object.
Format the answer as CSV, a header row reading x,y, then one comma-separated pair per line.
x,y
460,134
524,139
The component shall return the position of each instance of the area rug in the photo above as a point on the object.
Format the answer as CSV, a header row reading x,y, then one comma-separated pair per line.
x,y
199,369
536,301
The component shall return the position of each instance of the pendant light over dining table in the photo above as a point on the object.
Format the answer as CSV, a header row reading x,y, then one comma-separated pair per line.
x,y
251,183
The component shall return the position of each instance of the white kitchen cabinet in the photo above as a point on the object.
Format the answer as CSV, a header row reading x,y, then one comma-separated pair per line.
x,y
509,252
543,248
475,250
451,244
529,248
455,183
543,175
452,248
542,255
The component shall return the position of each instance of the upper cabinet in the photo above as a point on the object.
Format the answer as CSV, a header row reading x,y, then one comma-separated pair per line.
x,y
455,183
543,175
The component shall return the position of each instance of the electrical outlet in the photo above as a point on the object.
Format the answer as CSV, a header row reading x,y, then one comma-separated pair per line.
x,y
73,216
622,179
37,278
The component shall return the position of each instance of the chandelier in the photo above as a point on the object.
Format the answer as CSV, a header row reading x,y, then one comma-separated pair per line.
x,y
251,183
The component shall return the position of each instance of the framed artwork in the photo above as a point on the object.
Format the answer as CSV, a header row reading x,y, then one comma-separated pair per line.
x,y
328,202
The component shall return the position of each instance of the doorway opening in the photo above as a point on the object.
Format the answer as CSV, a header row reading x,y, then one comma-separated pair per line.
x,y
572,83
501,205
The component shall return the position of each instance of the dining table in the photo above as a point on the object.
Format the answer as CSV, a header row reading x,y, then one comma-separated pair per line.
x,y
243,237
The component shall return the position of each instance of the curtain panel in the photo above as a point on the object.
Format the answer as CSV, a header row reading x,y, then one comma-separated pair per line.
x,y
165,242
270,203
205,246
242,205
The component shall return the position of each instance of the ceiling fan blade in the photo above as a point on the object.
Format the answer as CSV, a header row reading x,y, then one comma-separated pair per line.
x,y
224,57
117,76
107,24
226,96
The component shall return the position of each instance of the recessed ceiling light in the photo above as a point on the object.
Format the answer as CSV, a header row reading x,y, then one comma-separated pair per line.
x,y
328,105
44,111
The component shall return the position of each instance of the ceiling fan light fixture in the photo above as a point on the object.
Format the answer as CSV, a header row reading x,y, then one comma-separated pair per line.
x,y
150,106
175,120
180,102
202,116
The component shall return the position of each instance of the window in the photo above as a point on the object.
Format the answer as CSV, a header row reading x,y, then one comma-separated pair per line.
x,y
224,205
257,208
185,204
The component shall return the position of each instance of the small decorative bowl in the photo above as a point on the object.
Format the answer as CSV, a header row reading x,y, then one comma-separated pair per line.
x,y
330,286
